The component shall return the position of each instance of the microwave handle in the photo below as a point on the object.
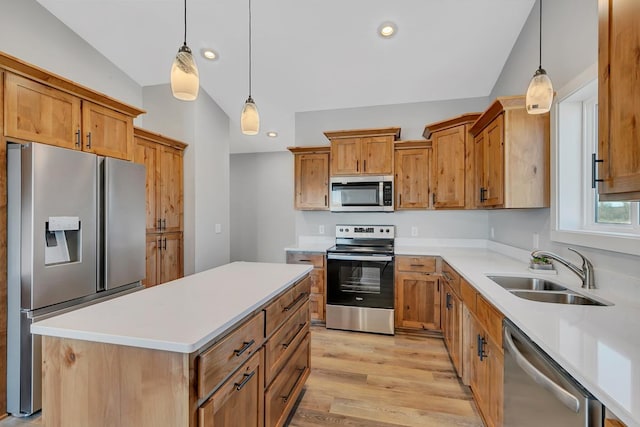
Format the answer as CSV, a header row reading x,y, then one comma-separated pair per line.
x,y
381,193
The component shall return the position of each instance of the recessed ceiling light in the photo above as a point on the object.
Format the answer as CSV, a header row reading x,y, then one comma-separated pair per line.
x,y
209,54
387,29
272,134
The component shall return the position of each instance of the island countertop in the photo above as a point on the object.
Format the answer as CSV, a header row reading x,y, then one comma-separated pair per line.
x,y
179,316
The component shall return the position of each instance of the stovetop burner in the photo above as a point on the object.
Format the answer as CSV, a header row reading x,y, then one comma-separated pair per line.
x,y
365,239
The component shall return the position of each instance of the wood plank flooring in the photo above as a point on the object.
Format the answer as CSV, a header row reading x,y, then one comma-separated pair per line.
x,y
368,380
362,380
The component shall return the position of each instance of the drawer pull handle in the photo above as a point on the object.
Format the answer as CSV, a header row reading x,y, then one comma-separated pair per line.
x,y
447,276
304,260
417,265
301,327
286,398
245,380
448,302
244,348
295,302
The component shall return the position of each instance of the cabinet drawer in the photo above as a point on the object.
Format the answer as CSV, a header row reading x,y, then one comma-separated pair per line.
x,y
216,363
490,318
315,259
418,264
279,310
283,392
317,281
240,399
279,347
468,294
452,277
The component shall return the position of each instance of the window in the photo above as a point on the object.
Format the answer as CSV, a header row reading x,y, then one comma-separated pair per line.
x,y
578,216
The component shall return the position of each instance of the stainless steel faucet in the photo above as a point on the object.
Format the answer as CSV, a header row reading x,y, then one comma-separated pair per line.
x,y
585,273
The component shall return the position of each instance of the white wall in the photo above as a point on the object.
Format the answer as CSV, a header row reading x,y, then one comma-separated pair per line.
x,y
204,126
29,32
570,45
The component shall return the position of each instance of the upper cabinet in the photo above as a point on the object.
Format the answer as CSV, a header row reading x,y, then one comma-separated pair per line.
x,y
618,95
452,162
311,173
511,156
43,107
362,151
412,161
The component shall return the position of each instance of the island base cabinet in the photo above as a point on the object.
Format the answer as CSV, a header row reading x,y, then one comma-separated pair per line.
x,y
238,402
283,392
79,379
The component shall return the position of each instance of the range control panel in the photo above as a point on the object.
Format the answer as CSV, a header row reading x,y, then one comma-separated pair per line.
x,y
366,231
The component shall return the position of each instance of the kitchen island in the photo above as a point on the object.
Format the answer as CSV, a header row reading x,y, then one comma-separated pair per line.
x,y
188,353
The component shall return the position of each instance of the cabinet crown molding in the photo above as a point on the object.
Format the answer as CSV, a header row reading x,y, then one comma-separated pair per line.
x,y
158,138
467,118
500,105
416,143
338,134
310,149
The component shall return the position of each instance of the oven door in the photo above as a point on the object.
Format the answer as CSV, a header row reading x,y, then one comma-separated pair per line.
x,y
360,280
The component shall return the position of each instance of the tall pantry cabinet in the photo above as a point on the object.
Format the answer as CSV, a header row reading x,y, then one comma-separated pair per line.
x,y
162,157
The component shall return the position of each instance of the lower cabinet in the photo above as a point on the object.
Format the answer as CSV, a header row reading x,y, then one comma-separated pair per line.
x,y
417,293
452,325
239,401
318,280
164,258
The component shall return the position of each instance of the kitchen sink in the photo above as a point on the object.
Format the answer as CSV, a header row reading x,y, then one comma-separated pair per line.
x,y
526,283
557,297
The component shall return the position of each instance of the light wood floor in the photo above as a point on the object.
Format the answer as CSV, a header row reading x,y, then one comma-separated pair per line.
x,y
367,380
362,380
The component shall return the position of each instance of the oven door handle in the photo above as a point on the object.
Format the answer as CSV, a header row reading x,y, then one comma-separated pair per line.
x,y
360,258
567,399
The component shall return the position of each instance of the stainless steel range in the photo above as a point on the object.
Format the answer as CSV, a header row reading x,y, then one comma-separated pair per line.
x,y
360,279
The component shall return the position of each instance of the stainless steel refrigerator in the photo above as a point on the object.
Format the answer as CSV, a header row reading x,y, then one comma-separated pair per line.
x,y
76,236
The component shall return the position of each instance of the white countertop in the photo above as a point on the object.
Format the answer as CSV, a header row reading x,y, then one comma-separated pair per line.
x,y
181,315
598,346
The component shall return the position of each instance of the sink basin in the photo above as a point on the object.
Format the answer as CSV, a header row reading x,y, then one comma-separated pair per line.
x,y
556,297
526,283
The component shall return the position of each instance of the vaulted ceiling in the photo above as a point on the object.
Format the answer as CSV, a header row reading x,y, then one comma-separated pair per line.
x,y
308,55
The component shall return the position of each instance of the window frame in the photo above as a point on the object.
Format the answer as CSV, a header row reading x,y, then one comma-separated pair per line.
x,y
617,238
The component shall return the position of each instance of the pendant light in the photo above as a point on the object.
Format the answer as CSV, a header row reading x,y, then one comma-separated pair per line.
x,y
250,119
185,81
540,92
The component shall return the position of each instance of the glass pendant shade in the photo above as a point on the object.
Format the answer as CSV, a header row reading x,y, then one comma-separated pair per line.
x,y
250,119
540,93
185,80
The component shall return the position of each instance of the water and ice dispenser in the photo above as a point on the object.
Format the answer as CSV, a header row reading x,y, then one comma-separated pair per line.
x,y
62,240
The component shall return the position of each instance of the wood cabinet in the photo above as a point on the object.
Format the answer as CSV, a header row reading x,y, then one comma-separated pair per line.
x,y
162,158
511,156
417,293
318,276
451,309
41,113
452,162
412,164
311,178
618,94
362,151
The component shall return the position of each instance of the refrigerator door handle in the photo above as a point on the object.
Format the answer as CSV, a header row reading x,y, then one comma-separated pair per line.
x,y
567,399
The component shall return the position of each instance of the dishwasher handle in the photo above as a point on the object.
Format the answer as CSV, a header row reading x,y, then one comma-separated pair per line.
x,y
567,399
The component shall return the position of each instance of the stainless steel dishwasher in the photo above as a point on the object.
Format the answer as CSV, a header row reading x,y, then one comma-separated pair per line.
x,y
538,392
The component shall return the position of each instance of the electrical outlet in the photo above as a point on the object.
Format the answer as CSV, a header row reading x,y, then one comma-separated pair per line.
x,y
493,233
218,228
414,231
321,229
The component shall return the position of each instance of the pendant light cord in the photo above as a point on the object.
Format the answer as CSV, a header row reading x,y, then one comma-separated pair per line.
x,y
249,48
185,22
540,46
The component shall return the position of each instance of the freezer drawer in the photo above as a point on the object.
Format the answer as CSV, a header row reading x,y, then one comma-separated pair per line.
x,y
538,392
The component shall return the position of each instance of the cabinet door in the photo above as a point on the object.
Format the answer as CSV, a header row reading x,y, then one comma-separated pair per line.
x,y
417,301
480,374
377,155
495,361
171,189
171,257
494,162
448,168
345,156
480,167
618,95
154,243
35,112
239,401
107,132
312,181
147,154
412,178
452,326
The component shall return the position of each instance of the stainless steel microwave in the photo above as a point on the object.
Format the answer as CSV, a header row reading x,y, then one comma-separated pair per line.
x,y
361,193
